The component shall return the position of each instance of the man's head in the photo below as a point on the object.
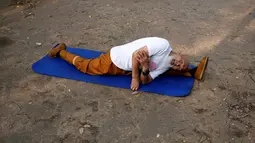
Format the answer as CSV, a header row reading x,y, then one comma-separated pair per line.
x,y
179,62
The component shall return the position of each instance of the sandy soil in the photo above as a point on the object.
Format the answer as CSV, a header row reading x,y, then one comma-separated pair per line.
x,y
36,108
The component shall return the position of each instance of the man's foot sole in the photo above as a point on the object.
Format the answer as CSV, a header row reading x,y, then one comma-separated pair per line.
x,y
201,68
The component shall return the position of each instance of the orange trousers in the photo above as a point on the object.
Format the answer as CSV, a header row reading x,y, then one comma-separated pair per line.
x,y
102,65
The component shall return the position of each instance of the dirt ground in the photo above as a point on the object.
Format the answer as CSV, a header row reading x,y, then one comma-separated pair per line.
x,y
41,109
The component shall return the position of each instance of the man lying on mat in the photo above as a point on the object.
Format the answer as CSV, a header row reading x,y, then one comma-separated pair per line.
x,y
144,59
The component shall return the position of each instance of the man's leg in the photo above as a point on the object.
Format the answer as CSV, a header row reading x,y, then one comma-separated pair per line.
x,y
97,66
197,72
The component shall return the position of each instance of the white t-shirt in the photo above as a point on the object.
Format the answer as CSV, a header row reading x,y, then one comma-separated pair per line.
x,y
158,48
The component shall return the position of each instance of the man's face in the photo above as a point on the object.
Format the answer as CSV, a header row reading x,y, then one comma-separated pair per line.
x,y
179,63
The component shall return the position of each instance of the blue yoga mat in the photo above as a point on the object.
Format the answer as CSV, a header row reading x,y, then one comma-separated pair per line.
x,y
165,85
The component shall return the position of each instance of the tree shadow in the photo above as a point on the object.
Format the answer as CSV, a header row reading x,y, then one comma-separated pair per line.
x,y
234,54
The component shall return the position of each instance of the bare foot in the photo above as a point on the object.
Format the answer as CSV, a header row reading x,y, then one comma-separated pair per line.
x,y
134,84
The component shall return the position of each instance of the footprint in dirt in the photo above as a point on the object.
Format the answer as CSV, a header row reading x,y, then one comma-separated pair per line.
x,y
94,106
5,41
252,13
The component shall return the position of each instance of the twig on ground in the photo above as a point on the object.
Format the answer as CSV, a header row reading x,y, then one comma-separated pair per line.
x,y
251,78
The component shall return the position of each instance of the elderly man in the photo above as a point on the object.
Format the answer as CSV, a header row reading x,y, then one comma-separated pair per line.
x,y
145,59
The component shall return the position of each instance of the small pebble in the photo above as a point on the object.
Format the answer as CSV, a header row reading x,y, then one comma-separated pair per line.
x,y
135,92
87,126
30,103
81,130
246,109
69,90
158,135
38,44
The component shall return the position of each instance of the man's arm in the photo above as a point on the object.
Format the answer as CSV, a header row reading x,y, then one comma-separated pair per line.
x,y
140,57
145,77
135,72
143,58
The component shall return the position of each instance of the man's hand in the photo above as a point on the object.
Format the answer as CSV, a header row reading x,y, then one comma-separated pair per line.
x,y
143,58
140,58
135,84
